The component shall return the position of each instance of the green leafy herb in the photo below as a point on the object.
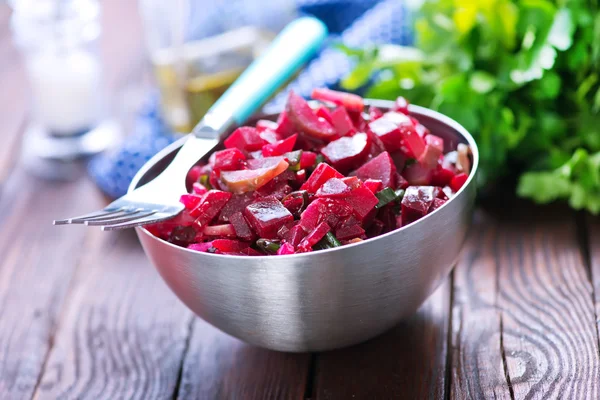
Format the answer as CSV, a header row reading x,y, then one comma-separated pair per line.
x,y
268,246
522,76
329,241
385,196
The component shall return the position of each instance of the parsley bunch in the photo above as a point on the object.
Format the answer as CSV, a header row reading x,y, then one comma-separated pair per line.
x,y
522,76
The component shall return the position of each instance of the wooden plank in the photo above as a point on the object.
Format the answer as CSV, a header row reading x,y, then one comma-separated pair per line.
x,y
524,322
123,333
36,267
408,362
218,366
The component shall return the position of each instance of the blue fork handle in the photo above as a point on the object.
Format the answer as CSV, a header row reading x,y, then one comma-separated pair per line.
x,y
291,49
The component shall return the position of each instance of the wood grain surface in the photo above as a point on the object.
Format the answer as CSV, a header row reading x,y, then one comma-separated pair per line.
x,y
409,362
524,324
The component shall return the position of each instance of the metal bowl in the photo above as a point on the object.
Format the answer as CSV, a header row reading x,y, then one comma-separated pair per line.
x,y
326,299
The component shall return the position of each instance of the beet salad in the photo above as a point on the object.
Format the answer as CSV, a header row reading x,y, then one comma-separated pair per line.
x,y
316,179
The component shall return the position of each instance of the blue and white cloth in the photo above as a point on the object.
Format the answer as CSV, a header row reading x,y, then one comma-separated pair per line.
x,y
353,22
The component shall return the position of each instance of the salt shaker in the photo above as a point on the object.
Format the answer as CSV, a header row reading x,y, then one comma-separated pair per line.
x,y
59,42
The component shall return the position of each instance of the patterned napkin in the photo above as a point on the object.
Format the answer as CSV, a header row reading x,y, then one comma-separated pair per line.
x,y
353,22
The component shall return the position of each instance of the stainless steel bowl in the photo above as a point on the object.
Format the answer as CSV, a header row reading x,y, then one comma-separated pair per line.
x,y
326,299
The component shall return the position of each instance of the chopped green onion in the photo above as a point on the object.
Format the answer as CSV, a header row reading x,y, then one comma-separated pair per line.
x,y
385,196
329,241
409,161
268,246
319,159
293,158
204,181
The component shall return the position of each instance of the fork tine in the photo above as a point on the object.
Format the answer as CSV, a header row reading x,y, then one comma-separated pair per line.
x,y
136,222
95,214
121,213
121,218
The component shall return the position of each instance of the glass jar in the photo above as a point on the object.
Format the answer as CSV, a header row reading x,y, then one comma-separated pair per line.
x,y
59,42
199,48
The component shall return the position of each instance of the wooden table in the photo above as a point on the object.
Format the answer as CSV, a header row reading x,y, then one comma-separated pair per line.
x,y
84,315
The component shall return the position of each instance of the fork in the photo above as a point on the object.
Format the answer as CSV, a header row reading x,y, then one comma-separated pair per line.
x,y
158,199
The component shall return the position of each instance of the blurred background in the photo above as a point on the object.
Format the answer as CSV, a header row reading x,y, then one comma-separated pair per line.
x,y
104,85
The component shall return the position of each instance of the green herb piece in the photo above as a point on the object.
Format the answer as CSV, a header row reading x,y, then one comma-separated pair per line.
x,y
205,182
522,76
293,158
319,159
329,241
385,196
268,246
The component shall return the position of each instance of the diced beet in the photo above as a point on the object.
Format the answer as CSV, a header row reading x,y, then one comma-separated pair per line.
x,y
421,130
211,204
245,138
300,178
388,217
320,175
237,203
412,143
349,232
341,121
276,188
190,201
313,237
374,185
347,152
351,102
399,160
229,246
164,229
323,112
417,174
305,120
266,215
279,148
375,229
381,167
241,227
416,202
202,247
228,160
441,176
362,200
193,175
295,202
307,159
377,146
213,179
322,209
352,181
199,188
270,136
333,188
182,235
399,221
401,183
375,113
434,147
285,249
285,126
388,132
401,105
295,235
458,181
264,124
225,230
437,203
263,170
